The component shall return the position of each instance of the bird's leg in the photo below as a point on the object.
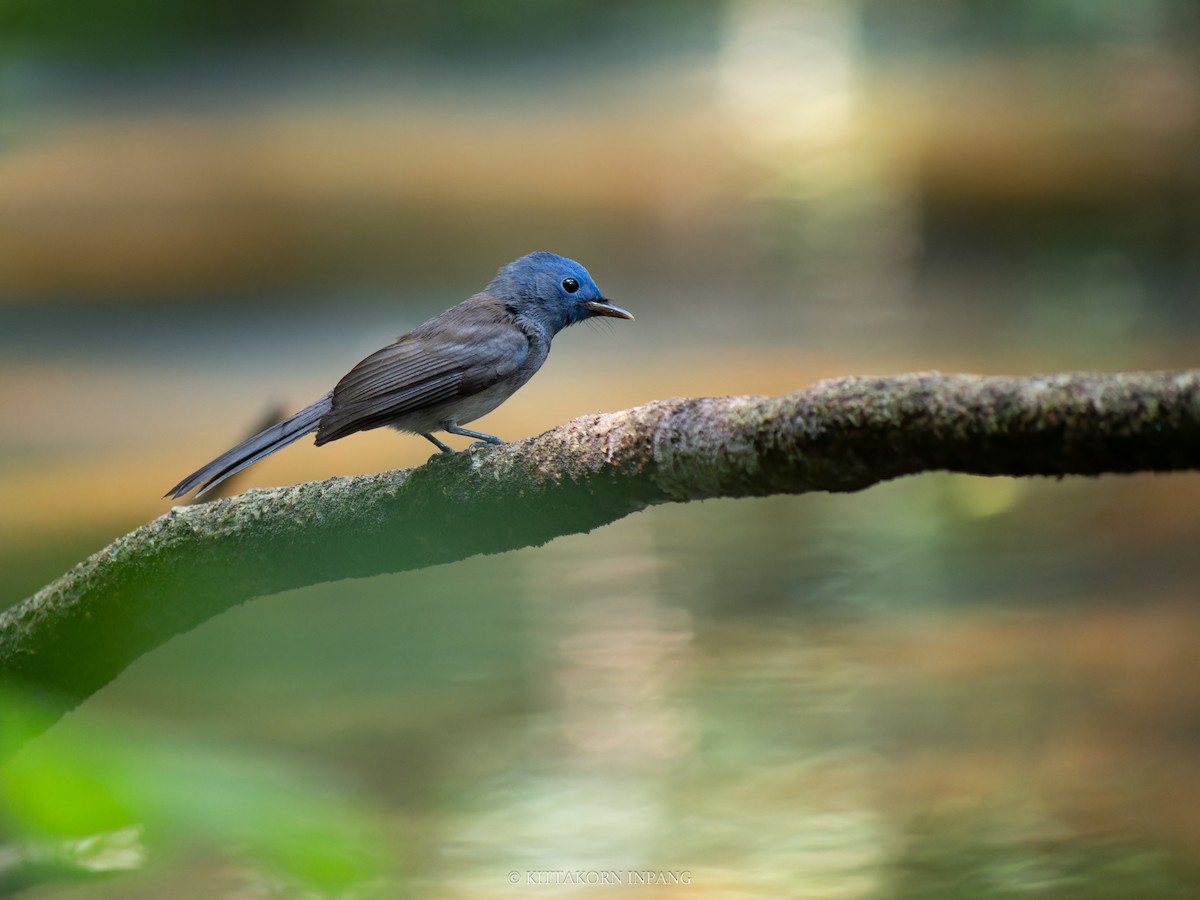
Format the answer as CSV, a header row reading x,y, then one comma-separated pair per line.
x,y
482,439
443,447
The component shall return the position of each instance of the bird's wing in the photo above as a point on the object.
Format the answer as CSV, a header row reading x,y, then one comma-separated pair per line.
x,y
425,368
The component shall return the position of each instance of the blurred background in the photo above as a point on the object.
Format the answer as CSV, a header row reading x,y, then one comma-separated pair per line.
x,y
941,687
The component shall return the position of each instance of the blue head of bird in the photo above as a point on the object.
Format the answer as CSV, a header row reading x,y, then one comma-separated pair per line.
x,y
552,290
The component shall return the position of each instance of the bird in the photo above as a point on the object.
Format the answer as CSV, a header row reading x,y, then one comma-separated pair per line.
x,y
449,371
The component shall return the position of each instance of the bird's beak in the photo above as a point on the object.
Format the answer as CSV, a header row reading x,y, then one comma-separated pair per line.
x,y
606,308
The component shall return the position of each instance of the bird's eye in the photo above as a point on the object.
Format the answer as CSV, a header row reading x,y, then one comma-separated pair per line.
x,y
570,285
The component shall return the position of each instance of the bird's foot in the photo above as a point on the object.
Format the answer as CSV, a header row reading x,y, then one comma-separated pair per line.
x,y
478,445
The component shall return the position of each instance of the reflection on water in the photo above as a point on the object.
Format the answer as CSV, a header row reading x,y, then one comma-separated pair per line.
x,y
609,722
916,691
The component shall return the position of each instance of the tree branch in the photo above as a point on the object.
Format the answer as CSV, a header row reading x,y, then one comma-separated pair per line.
x,y
77,633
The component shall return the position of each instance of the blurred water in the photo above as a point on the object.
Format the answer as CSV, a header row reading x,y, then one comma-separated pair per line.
x,y
850,696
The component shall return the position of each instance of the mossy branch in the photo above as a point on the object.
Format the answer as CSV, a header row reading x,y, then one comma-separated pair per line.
x,y
77,633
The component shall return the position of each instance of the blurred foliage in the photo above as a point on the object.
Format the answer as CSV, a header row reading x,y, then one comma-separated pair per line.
x,y
85,797
132,30
153,29
965,26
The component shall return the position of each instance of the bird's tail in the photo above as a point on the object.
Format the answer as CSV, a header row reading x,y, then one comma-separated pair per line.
x,y
253,449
